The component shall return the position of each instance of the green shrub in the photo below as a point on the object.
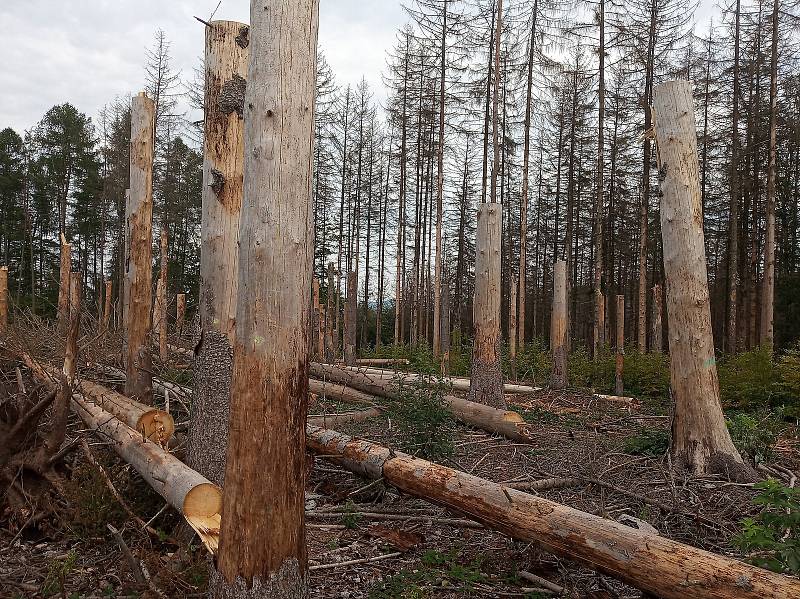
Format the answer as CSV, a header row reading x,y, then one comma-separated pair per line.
x,y
650,442
773,536
425,427
789,371
646,375
534,362
754,434
749,380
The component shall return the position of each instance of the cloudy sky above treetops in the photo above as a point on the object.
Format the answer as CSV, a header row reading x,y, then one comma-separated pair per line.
x,y
87,52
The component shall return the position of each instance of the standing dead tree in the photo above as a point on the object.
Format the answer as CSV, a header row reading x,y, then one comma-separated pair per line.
x,y
3,300
620,342
139,253
700,439
63,284
262,544
558,326
226,55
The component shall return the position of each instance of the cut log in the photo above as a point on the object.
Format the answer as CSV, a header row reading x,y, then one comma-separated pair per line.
x,y
198,499
151,423
668,569
503,422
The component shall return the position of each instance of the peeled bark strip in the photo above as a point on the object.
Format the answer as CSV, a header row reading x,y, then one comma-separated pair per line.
x,y
620,361
656,338
493,420
151,423
666,568
700,438
223,174
63,284
3,300
198,499
486,383
262,544
558,326
139,253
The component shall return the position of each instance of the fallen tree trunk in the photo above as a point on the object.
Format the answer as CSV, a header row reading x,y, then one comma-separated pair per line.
x,y
668,569
151,423
333,420
199,500
504,422
341,392
382,362
458,383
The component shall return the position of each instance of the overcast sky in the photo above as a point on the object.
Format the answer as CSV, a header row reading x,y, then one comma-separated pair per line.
x,y
86,52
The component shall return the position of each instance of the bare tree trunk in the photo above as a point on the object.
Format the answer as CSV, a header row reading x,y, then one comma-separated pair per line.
x,y
618,387
487,378
512,329
700,439
3,300
163,352
330,341
437,277
731,335
656,338
226,54
63,285
106,318
597,279
265,474
139,259
180,313
445,329
317,335
558,326
768,289
350,316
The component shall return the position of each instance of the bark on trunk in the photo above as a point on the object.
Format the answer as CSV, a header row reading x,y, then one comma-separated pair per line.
x,y
644,560
512,329
138,261
487,378
656,337
226,54
558,326
63,285
163,352
262,543
620,341
700,439
3,300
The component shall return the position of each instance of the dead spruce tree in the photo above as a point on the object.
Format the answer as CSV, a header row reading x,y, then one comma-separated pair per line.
x,y
700,439
262,549
226,54
139,253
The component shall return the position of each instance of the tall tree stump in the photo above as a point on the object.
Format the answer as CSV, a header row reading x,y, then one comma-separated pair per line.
x,y
139,253
226,55
262,549
558,326
700,440
486,382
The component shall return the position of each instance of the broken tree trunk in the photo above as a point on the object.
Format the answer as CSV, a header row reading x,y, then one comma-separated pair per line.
x,y
180,313
350,317
194,496
493,420
226,54
700,440
486,383
139,252
666,568
620,342
3,300
656,337
558,326
262,543
106,318
151,423
63,285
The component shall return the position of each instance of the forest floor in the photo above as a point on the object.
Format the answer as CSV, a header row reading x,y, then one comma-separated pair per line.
x,y
369,541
